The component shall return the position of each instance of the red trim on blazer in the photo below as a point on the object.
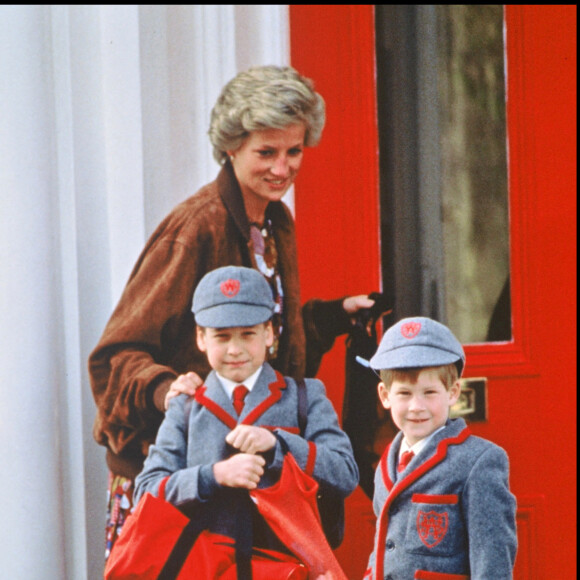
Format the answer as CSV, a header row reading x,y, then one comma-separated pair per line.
x,y
214,408
402,484
427,498
275,395
424,575
294,430
309,469
385,469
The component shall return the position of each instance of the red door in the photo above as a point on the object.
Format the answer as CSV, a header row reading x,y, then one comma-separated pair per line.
x,y
532,379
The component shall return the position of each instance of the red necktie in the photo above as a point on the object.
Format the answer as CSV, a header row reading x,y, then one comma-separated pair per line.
x,y
240,393
404,460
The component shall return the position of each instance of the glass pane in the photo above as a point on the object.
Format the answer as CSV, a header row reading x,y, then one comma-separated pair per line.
x,y
443,163
473,165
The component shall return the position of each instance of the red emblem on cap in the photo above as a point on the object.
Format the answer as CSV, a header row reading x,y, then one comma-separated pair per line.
x,y
432,527
230,287
410,329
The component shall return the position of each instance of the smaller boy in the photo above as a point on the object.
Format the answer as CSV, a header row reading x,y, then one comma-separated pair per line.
x,y
218,446
442,500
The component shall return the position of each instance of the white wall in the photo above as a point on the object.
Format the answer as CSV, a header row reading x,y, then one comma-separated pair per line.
x,y
104,114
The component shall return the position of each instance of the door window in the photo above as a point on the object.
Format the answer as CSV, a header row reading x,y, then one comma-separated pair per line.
x,y
443,166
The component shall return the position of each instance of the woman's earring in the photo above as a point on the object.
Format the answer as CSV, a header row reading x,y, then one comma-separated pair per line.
x,y
232,158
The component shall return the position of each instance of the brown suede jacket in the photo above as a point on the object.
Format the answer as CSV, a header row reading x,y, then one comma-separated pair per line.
x,y
150,337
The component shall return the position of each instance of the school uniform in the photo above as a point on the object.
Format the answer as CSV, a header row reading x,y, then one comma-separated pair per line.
x,y
192,438
449,515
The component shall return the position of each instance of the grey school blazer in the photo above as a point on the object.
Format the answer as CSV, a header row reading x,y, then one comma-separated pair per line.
x,y
449,515
192,436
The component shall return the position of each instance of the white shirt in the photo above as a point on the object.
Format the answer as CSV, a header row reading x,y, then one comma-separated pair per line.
x,y
416,448
230,385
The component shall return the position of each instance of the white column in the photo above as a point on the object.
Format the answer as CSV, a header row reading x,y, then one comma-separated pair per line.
x,y
262,35
32,533
73,449
123,138
100,128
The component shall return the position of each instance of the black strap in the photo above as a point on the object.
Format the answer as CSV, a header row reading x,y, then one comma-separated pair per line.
x,y
244,535
181,550
302,405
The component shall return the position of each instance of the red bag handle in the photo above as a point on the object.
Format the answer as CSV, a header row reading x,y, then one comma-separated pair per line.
x,y
161,494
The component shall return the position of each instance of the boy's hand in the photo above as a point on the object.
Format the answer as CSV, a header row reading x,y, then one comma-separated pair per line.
x,y
187,384
251,439
241,470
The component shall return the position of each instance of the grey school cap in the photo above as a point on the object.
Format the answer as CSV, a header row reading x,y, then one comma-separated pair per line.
x,y
232,296
418,342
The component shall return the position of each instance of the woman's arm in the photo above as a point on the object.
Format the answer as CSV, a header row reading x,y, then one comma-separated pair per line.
x,y
324,321
148,334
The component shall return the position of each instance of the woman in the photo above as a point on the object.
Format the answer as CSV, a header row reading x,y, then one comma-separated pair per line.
x,y
260,125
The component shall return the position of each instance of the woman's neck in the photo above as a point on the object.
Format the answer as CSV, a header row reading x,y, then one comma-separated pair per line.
x,y
256,212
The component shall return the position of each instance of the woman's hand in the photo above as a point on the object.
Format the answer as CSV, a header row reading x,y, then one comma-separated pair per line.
x,y
353,304
186,384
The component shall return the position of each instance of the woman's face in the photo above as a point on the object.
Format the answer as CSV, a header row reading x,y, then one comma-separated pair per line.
x,y
266,165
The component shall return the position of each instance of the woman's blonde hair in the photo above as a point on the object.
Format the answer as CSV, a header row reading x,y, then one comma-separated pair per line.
x,y
264,97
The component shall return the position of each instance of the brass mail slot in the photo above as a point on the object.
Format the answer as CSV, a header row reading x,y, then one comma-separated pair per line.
x,y
472,402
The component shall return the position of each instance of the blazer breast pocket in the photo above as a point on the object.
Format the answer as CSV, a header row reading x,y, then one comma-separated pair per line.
x,y
435,526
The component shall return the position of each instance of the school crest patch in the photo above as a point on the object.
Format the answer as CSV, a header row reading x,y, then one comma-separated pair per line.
x,y
410,329
230,287
432,527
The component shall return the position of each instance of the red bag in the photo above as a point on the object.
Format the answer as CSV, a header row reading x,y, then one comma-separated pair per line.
x,y
213,556
152,531
290,508
146,540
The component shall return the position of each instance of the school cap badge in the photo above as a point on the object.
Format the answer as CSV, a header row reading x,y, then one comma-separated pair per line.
x,y
410,329
230,287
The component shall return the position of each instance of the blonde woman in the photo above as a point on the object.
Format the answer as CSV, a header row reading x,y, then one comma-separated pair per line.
x,y
261,124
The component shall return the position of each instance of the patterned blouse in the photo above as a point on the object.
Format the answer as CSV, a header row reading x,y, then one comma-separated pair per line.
x,y
264,246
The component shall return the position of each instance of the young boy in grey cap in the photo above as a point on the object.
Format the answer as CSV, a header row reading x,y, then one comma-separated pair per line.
x,y
219,443
442,500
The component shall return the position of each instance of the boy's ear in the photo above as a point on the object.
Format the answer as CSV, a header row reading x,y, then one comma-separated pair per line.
x,y
200,339
384,395
454,393
270,334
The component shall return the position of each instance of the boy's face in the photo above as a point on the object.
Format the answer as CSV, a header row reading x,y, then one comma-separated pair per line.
x,y
236,353
419,408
